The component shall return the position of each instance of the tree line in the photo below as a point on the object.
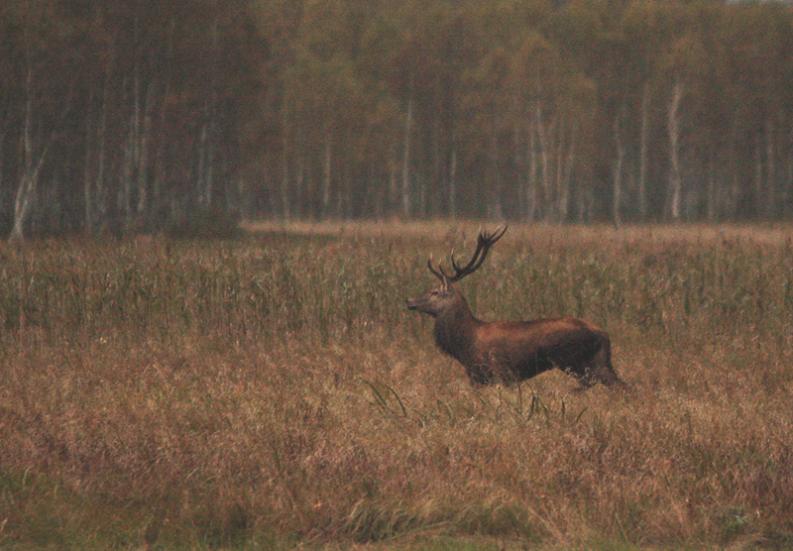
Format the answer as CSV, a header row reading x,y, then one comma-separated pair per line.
x,y
127,116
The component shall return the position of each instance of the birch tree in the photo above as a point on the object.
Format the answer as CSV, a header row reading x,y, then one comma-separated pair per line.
x,y
36,139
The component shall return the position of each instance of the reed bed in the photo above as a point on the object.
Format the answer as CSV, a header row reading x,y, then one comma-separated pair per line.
x,y
273,391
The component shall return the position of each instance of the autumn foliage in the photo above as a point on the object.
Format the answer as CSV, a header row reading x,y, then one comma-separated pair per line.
x,y
122,116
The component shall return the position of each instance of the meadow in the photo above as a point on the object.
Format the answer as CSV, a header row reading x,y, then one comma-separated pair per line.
x,y
273,391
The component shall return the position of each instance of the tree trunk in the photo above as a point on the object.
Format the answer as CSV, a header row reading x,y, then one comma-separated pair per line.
x,y
284,188
393,183
437,183
733,187
327,179
100,191
789,177
300,179
758,179
211,111
2,158
131,151
643,138
143,152
3,132
88,219
616,197
33,160
201,175
518,170
495,207
770,173
453,181
544,160
673,128
712,197
406,159
559,168
567,180
341,196
160,167
532,194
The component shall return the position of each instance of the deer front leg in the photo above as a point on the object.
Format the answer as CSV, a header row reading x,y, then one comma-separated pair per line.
x,y
479,375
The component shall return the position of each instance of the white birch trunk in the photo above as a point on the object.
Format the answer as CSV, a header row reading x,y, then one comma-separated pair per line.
x,y
100,191
327,174
159,156
673,130
393,182
88,221
284,188
567,180
131,151
758,179
616,203
202,160
789,177
143,151
532,194
209,177
406,159
712,207
542,142
300,178
453,181
494,202
770,173
558,169
3,132
33,160
643,138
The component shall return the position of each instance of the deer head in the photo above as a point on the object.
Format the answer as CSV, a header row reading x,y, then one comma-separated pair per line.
x,y
445,297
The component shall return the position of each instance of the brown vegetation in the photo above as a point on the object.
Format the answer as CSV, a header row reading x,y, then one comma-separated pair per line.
x,y
274,391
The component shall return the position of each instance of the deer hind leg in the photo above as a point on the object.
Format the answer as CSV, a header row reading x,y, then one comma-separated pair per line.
x,y
583,374
584,378
479,374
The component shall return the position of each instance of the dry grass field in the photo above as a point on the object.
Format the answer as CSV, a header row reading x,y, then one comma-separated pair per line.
x,y
273,392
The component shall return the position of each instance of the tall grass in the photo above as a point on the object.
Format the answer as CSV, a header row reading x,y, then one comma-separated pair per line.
x,y
273,389
332,287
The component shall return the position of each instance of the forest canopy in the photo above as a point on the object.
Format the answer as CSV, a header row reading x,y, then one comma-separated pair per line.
x,y
126,116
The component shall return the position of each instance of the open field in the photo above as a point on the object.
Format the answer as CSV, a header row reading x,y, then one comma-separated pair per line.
x,y
273,391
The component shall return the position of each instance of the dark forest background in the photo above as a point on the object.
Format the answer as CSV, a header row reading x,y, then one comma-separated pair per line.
x,y
134,115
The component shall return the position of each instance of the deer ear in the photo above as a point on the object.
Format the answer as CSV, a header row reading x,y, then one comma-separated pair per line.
x,y
445,284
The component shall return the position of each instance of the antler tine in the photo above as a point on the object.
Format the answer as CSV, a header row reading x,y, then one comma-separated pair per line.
x,y
453,260
483,243
439,274
440,267
497,234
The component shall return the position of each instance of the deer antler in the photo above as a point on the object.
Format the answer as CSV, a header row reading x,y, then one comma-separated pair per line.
x,y
439,274
483,244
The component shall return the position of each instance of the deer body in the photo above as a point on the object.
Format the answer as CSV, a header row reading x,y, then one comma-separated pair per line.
x,y
512,351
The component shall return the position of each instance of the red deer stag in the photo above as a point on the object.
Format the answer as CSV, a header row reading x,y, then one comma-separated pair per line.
x,y
511,351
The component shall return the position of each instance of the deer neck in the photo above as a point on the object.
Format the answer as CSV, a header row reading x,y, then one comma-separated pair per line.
x,y
454,330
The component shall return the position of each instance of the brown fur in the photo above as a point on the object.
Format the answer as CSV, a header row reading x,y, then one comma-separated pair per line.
x,y
511,351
